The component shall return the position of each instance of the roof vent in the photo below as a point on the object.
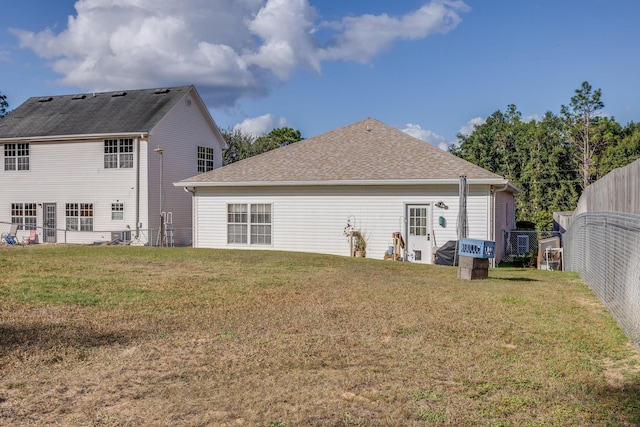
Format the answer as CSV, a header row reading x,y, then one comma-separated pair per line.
x,y
47,99
114,94
79,97
165,90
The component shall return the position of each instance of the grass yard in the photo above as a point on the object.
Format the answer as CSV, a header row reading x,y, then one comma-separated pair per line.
x,y
126,336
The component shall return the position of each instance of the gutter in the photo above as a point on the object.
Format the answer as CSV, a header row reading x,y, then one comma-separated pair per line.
x,y
64,138
380,182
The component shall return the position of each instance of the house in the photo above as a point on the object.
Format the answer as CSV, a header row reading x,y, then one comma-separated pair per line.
x,y
365,176
99,166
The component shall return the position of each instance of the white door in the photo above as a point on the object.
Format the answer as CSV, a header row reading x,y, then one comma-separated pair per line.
x,y
419,233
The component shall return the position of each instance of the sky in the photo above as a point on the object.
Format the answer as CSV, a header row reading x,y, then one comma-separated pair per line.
x,y
432,68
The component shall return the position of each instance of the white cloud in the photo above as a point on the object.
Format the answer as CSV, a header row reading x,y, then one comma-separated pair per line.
x,y
228,48
261,125
427,136
468,128
364,37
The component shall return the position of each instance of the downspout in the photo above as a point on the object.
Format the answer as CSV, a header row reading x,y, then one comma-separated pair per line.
x,y
492,231
139,140
192,190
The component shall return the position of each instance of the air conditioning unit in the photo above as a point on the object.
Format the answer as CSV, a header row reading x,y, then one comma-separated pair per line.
x,y
124,236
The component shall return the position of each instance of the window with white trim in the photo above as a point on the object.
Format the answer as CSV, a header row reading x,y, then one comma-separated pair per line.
x,y
24,214
16,157
205,159
118,153
261,224
249,223
117,211
79,216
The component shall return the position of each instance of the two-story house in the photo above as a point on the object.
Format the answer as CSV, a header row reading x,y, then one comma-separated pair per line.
x,y
98,166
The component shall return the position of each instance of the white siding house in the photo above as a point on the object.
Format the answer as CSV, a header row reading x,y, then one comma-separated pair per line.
x,y
78,168
367,175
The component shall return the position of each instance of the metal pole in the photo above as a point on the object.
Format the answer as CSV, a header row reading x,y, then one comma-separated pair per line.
x,y
160,151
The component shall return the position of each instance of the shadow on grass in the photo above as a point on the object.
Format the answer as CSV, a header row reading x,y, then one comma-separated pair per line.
x,y
515,279
626,397
45,337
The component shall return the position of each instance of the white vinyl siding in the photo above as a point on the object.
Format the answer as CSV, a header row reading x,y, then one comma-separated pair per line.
x,y
179,134
312,219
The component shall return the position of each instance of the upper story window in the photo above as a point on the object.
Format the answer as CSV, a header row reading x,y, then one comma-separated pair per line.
x,y
118,153
16,157
205,159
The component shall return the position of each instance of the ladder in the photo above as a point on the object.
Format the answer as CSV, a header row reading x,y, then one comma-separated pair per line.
x,y
165,232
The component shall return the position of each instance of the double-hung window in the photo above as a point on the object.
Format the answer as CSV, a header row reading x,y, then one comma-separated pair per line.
x,y
205,159
249,224
79,216
117,211
118,153
24,214
16,157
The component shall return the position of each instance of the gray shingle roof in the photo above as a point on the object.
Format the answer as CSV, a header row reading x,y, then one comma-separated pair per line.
x,y
367,150
91,113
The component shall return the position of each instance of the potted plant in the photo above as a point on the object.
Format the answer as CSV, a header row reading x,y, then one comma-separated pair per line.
x,y
359,244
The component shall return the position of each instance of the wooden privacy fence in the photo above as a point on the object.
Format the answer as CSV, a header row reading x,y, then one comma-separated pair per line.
x,y
618,191
602,244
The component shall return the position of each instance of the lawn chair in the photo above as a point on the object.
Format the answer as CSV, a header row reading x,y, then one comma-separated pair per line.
x,y
32,239
10,238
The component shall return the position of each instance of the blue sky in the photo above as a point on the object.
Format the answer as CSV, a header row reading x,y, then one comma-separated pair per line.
x,y
429,68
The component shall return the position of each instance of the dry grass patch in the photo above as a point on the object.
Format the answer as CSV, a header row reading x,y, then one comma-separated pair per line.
x,y
106,336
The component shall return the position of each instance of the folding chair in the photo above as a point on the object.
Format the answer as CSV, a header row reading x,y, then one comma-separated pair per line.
x,y
10,238
32,239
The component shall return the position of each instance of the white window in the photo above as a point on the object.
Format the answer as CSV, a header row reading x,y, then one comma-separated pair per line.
x,y
117,211
79,216
237,223
261,224
118,153
245,228
205,159
16,157
24,214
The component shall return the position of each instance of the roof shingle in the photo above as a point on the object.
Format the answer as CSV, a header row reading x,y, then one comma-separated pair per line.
x,y
90,114
367,150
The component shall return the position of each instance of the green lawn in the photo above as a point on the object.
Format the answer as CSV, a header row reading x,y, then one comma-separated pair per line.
x,y
136,336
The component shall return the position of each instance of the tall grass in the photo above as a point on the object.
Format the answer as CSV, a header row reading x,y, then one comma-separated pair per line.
x,y
100,336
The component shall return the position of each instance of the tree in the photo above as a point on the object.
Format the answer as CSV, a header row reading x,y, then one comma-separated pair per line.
x,y
242,145
625,150
238,145
4,105
277,138
582,120
533,155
